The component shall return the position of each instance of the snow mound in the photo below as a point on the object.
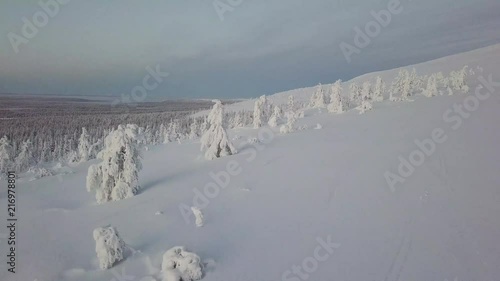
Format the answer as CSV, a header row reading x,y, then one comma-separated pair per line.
x,y
108,246
181,265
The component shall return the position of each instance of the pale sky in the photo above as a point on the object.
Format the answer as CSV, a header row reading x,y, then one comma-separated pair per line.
x,y
102,47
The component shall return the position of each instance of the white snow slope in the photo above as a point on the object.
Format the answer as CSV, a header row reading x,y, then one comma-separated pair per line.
x,y
442,223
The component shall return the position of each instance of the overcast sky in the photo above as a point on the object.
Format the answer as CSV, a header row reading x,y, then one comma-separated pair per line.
x,y
102,47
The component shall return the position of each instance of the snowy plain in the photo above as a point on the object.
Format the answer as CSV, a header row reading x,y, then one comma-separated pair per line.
x,y
292,191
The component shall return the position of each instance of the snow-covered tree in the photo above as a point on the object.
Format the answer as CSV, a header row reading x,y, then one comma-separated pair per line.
x,y
354,95
180,265
366,96
237,121
291,103
109,246
260,112
25,159
116,177
6,154
458,80
193,130
215,140
275,117
289,127
431,89
378,90
84,146
318,98
336,103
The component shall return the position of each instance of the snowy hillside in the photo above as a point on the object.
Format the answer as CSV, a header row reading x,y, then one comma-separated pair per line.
x,y
314,204
487,58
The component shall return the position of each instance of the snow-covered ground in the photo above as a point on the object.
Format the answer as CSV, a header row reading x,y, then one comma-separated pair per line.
x,y
310,205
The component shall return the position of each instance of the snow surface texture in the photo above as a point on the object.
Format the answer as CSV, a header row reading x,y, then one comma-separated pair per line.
x,y
108,246
181,265
441,223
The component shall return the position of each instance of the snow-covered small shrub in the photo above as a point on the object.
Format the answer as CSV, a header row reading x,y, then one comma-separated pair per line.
x,y
181,265
40,172
318,127
109,246
198,215
253,140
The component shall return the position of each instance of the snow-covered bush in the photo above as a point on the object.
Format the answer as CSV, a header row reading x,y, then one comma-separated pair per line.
x,y
109,246
6,154
318,98
40,172
181,265
215,139
116,177
260,112
275,117
198,215
336,104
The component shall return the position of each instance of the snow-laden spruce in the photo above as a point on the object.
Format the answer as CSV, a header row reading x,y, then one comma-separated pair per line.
x,y
378,90
180,265
84,146
6,152
366,98
116,177
275,117
25,159
354,95
215,141
318,98
260,112
109,246
291,117
336,103
431,89
458,80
